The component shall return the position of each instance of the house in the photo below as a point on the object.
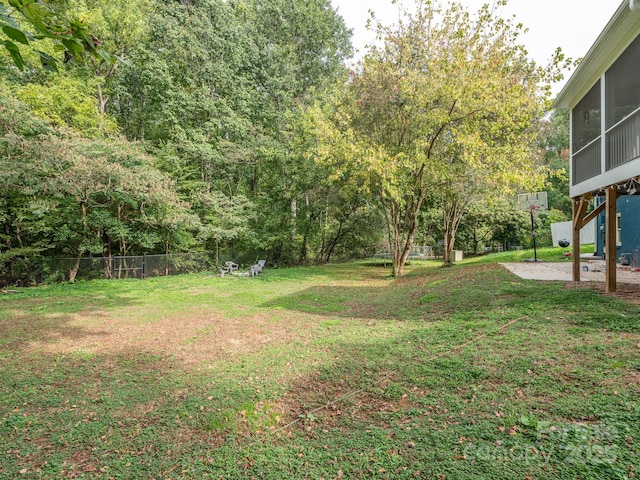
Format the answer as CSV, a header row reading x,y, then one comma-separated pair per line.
x,y
603,95
627,231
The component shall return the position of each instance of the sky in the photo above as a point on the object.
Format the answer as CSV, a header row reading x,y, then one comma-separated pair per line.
x,y
572,25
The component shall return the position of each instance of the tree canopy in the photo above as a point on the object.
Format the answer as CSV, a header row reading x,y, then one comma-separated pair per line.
x,y
236,127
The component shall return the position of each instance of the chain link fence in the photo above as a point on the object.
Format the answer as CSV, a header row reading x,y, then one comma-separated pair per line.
x,y
38,270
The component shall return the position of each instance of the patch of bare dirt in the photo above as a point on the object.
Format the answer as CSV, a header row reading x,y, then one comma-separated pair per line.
x,y
191,338
629,292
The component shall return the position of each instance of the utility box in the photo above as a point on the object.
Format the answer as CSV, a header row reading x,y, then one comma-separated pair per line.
x,y
457,255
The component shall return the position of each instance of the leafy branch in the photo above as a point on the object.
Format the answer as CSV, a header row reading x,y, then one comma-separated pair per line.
x,y
71,37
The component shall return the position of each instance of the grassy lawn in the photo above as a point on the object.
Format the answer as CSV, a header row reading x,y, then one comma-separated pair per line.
x,y
545,254
327,372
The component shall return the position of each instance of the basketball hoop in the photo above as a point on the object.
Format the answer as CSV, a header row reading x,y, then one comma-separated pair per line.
x,y
533,202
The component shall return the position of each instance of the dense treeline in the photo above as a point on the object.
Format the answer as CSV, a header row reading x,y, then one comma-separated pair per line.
x,y
190,133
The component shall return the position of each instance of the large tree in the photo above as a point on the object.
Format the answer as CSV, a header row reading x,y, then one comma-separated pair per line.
x,y
446,108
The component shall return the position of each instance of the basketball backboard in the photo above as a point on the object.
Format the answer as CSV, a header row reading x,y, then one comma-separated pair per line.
x,y
533,201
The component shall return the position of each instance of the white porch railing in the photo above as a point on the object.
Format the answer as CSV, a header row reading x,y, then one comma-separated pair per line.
x,y
623,146
623,141
586,162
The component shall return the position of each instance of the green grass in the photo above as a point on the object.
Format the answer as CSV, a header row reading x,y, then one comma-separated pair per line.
x,y
545,254
324,372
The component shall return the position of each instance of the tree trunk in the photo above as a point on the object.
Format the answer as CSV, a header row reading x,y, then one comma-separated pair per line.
x,y
73,271
405,223
452,215
403,227
303,251
217,253
292,239
108,262
333,243
166,257
102,107
475,239
449,242
305,238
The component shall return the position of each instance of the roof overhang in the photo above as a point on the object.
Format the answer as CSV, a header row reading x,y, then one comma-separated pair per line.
x,y
621,30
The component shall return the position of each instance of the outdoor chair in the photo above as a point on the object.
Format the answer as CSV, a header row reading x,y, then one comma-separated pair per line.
x,y
254,270
229,267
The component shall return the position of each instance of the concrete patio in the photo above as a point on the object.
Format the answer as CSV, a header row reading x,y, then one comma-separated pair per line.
x,y
592,271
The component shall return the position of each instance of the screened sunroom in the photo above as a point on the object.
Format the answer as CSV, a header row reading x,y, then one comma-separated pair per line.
x,y
605,125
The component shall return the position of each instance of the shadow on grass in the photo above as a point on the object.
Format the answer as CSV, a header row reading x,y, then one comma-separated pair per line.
x,y
465,294
45,315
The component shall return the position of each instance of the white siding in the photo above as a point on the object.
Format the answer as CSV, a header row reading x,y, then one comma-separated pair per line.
x,y
563,230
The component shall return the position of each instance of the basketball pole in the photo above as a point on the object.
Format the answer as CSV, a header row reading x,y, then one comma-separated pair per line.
x,y
533,234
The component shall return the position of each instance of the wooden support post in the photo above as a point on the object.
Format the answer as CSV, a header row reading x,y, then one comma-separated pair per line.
x,y
575,240
610,247
582,204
